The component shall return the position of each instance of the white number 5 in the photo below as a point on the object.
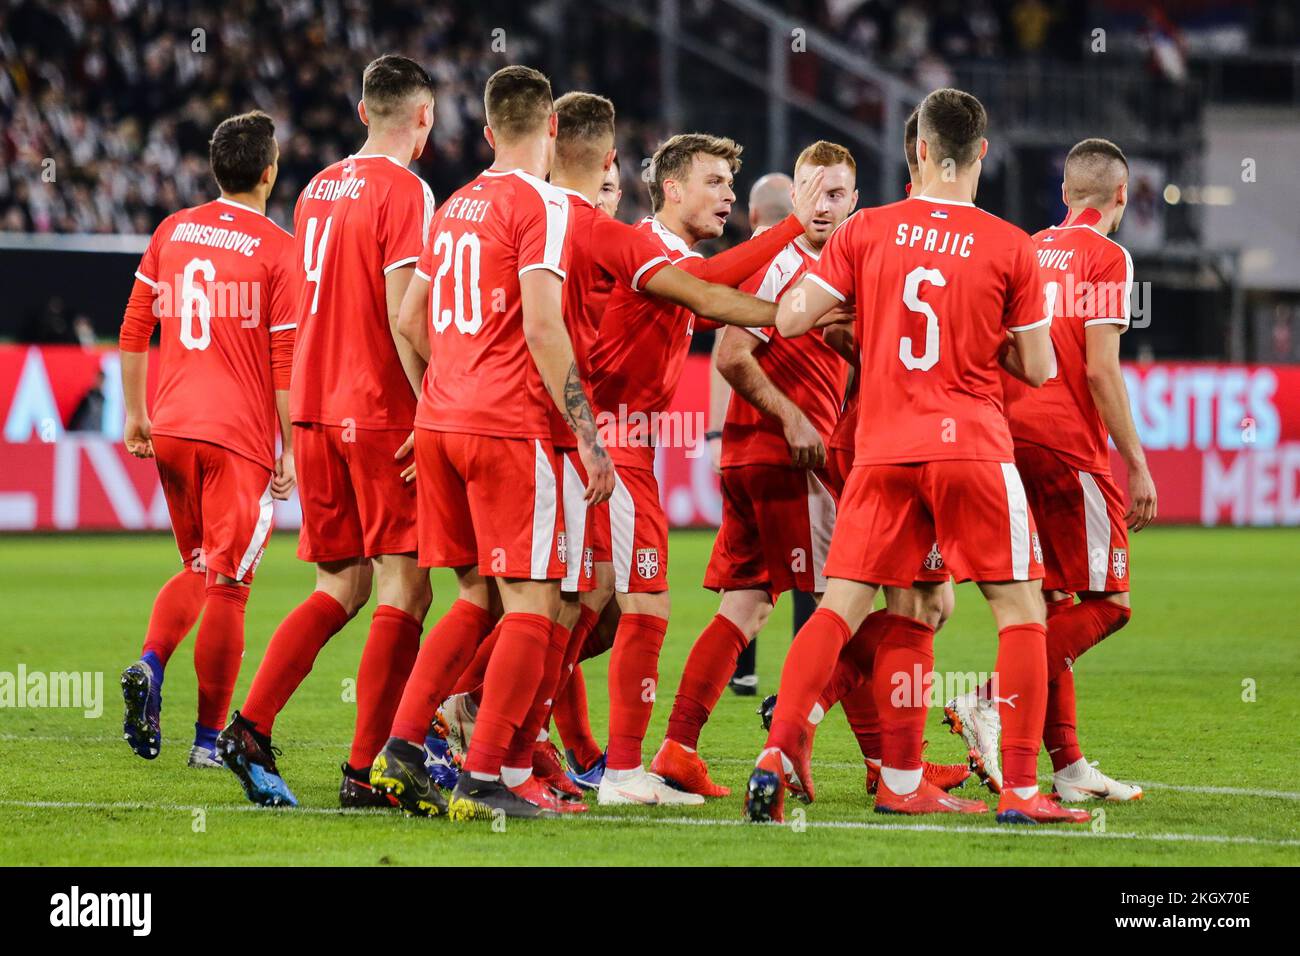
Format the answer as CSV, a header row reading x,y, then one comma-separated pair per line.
x,y
930,357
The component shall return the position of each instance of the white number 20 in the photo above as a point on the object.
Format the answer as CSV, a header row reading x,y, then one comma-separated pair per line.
x,y
454,257
911,287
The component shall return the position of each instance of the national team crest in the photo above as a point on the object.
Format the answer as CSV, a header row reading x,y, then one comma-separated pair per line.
x,y
647,562
1119,563
588,561
1038,548
562,548
933,560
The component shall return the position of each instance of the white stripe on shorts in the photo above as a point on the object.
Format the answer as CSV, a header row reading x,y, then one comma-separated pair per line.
x,y
543,512
622,525
821,523
575,525
266,509
1097,525
1018,512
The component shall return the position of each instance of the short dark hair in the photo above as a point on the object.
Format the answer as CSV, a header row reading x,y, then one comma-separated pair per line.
x,y
517,100
953,123
586,129
388,80
910,130
1096,147
1091,174
240,149
673,158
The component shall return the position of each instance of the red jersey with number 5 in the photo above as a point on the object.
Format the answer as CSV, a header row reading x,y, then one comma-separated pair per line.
x,y
937,285
482,379
219,277
1087,278
355,222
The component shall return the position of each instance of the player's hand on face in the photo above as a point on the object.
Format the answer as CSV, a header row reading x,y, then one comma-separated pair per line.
x,y
408,473
806,196
137,434
1142,491
806,447
285,477
600,471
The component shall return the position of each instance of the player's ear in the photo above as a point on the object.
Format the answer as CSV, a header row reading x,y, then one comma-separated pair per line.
x,y
1121,194
609,160
984,148
487,135
553,125
853,203
922,151
1065,195
361,111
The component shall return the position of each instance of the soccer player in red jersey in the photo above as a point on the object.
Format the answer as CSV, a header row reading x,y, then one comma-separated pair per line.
x,y
1081,515
500,360
219,278
937,286
359,227
636,364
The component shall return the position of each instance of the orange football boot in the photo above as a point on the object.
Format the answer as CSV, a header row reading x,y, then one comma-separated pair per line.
x,y
685,770
1040,808
926,798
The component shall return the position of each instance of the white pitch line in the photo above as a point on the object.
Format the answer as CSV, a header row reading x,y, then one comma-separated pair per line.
x,y
1002,831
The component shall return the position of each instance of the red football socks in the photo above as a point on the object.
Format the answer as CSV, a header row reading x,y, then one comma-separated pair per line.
x,y
856,662
587,619
218,650
1060,733
572,722
386,661
900,683
1072,631
808,668
446,652
509,688
471,681
710,665
175,610
633,680
1021,694
520,754
290,656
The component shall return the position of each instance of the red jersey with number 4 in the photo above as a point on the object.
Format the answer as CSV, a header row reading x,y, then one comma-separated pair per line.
x,y
482,379
604,253
1087,278
805,369
220,279
355,222
937,285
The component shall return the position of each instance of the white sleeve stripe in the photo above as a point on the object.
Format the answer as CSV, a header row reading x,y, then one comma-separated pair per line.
x,y
636,279
151,283
399,263
420,272
757,333
543,265
1105,322
828,287
281,328
1032,325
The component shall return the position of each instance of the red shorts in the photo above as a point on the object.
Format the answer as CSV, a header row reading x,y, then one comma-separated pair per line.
x,y
891,517
631,530
576,550
491,502
354,501
219,502
1081,519
775,532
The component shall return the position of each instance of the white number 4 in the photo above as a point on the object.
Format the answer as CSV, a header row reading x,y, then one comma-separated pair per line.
x,y
313,255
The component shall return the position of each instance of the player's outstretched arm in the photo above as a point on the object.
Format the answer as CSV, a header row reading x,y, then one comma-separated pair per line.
x,y
804,308
739,366
1110,395
710,300
552,351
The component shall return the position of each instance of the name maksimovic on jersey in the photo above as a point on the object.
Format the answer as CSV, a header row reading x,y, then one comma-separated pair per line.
x,y
218,237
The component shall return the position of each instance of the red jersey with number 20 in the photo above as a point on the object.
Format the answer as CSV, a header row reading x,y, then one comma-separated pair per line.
x,y
1087,278
481,378
937,285
220,279
355,222
805,369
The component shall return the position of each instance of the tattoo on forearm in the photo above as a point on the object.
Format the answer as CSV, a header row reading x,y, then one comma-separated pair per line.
x,y
577,410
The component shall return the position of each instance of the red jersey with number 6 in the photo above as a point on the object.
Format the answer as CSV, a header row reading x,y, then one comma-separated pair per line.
x,y
220,279
482,379
355,222
937,285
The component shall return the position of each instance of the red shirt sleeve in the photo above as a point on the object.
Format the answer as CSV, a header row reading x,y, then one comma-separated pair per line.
x,y
542,229
836,270
1112,284
1026,306
627,254
741,261
407,214
139,320
282,357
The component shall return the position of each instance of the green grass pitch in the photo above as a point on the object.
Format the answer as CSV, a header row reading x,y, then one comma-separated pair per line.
x,y
1166,702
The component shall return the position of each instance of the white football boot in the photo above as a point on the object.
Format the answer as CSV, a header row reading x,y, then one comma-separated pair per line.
x,y
460,713
1082,781
647,789
201,758
975,717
